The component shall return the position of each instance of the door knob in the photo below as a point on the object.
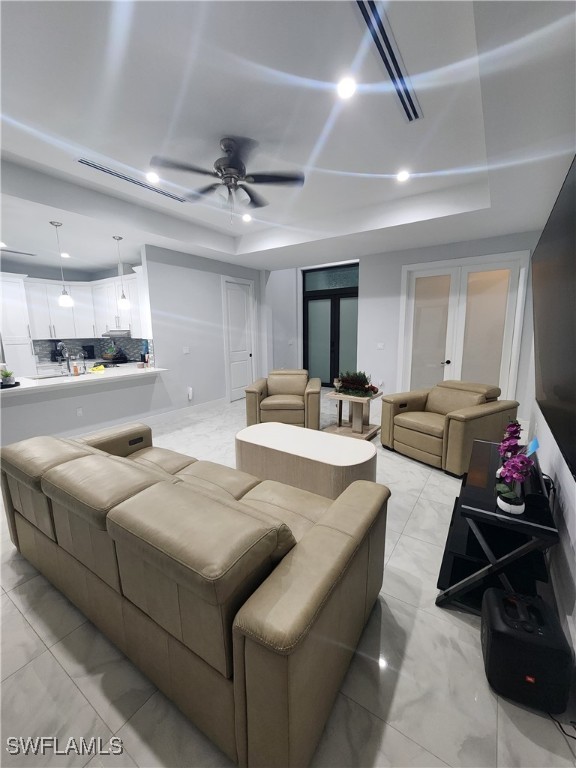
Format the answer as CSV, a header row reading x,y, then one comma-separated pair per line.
x,y
446,362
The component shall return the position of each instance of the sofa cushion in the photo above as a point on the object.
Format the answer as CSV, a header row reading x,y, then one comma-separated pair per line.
x,y
422,421
163,458
30,459
90,486
288,382
299,509
445,399
490,391
227,482
283,403
191,567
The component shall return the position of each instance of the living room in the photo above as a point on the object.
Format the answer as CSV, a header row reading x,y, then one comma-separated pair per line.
x,y
488,155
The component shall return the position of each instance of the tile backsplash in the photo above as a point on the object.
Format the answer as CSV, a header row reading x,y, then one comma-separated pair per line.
x,y
132,348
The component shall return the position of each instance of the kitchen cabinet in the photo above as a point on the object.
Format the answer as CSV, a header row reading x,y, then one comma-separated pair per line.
x,y
84,321
107,315
14,317
48,320
15,327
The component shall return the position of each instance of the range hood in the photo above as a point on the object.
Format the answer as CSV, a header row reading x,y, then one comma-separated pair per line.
x,y
118,334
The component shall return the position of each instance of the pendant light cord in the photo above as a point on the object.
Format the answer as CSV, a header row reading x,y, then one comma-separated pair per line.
x,y
120,267
57,224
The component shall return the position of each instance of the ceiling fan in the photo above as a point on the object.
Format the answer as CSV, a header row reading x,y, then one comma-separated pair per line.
x,y
230,171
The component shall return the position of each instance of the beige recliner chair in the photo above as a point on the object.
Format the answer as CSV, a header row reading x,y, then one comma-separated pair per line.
x,y
438,425
285,396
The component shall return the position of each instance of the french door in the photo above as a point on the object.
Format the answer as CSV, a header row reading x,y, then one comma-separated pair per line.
x,y
330,336
464,321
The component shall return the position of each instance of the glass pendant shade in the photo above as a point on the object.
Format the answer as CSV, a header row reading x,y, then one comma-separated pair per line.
x,y
123,302
65,300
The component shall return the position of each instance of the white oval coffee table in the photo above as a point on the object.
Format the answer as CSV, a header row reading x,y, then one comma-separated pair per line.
x,y
305,458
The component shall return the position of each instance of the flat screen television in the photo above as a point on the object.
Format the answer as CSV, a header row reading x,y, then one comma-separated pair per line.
x,y
554,293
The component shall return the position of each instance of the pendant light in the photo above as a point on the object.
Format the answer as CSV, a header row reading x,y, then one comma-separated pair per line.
x,y
123,302
64,300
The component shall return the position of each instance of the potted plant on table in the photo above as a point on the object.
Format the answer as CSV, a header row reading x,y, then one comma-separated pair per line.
x,y
356,383
513,473
7,377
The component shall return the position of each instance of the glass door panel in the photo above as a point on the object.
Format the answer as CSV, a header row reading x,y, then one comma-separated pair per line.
x,y
348,334
319,311
430,326
484,325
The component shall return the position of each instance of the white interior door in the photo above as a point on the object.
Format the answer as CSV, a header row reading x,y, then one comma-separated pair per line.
x,y
464,322
239,335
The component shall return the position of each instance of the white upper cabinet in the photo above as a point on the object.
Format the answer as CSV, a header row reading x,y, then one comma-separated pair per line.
x,y
62,317
48,320
105,307
15,327
14,316
83,310
108,316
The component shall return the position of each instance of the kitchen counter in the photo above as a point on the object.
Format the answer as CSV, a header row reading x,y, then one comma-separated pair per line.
x,y
67,405
108,375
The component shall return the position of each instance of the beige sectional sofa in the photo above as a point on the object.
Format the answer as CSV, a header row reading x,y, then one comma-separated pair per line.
x,y
242,600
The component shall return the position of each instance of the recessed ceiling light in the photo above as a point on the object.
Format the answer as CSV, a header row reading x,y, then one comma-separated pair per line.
x,y
346,87
403,176
152,177
65,255
246,218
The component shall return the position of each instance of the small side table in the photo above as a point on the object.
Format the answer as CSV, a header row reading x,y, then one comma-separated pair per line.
x,y
360,416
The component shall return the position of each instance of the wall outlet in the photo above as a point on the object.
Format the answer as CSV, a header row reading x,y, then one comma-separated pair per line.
x,y
185,350
380,345
79,412
190,393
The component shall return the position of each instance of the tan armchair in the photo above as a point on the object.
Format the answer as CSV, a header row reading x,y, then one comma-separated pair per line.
x,y
438,425
285,396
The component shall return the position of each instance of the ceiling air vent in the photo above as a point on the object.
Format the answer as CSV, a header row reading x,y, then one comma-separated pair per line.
x,y
122,176
4,251
381,32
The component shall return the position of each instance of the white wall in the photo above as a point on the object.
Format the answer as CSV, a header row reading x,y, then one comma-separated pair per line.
x,y
379,308
186,310
563,555
283,327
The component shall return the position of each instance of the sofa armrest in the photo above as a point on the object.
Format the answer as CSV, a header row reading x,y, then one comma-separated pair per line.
x,y
119,441
312,403
255,393
295,636
487,421
401,402
482,410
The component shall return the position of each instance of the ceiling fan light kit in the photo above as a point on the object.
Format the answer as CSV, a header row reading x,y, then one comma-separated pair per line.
x,y
64,300
230,170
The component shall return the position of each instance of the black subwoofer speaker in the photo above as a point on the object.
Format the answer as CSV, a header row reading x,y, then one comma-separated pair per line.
x,y
526,655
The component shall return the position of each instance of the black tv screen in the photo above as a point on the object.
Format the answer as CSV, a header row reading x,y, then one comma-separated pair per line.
x,y
554,292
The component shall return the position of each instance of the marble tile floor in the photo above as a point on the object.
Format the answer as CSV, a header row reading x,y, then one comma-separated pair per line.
x,y
415,694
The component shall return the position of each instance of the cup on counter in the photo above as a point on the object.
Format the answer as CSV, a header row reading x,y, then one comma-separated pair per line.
x,y
140,365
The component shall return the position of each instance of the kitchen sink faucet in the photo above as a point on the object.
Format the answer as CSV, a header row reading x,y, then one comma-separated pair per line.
x,y
64,354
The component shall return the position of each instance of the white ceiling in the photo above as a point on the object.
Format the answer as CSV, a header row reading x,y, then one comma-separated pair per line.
x,y
119,82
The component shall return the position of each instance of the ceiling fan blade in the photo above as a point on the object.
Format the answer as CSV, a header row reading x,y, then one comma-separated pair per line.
x,y
275,178
165,162
256,201
195,195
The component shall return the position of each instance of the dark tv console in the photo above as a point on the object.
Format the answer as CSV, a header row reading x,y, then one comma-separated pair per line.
x,y
490,548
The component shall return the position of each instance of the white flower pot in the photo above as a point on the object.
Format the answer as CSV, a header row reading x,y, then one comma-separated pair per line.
x,y
512,506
